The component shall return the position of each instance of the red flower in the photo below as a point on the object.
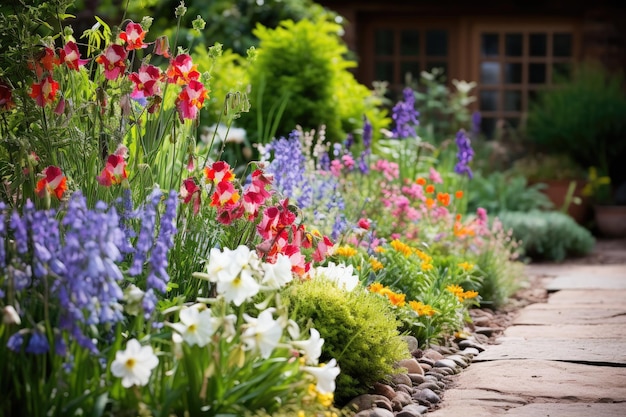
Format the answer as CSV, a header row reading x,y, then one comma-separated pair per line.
x,y
162,46
45,62
114,171
114,61
219,171
52,182
71,56
6,96
133,36
225,194
190,192
181,70
191,99
44,92
364,223
255,194
146,81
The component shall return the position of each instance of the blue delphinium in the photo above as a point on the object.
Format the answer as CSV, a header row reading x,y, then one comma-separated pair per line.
x,y
464,155
3,235
38,343
367,147
405,116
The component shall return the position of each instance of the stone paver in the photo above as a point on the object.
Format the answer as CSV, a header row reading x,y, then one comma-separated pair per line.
x,y
564,358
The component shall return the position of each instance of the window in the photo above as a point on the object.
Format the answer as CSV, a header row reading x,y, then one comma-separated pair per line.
x,y
512,66
402,52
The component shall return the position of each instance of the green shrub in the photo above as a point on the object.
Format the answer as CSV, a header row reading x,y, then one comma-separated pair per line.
x,y
359,329
584,117
548,235
500,192
301,78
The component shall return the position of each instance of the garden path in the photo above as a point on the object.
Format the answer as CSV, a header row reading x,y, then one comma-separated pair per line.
x,y
562,358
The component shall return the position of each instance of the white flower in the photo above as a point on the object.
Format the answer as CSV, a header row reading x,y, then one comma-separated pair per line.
x,y
196,327
278,274
135,364
133,297
10,316
263,333
341,274
325,375
220,266
242,285
312,348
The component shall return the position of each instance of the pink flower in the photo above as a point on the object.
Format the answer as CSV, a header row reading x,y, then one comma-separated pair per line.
x,y
364,223
114,61
219,171
191,99
190,192
71,56
182,70
114,171
146,81
133,36
162,46
52,182
255,194
434,176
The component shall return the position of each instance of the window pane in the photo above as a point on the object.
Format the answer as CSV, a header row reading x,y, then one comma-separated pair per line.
x,y
513,101
538,44
490,73
436,43
512,73
409,42
561,71
489,44
537,73
488,127
412,68
383,42
488,100
514,44
562,44
384,71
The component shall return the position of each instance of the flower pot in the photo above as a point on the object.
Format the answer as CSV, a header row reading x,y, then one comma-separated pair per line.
x,y
556,190
611,220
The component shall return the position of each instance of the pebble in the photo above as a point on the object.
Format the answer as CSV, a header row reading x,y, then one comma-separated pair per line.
x,y
412,366
416,378
426,367
445,363
460,361
468,343
430,385
470,351
411,341
426,395
412,410
374,412
426,361
433,355
398,379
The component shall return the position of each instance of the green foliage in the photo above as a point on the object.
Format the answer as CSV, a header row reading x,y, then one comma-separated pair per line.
x,y
301,78
548,235
359,330
584,117
499,192
540,166
502,272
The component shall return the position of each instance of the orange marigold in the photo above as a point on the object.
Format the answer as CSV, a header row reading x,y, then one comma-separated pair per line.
x,y
375,264
397,299
422,309
430,188
401,247
420,181
458,194
444,199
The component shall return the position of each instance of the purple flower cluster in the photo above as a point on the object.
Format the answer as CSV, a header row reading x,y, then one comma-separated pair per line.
x,y
289,169
367,146
464,155
405,116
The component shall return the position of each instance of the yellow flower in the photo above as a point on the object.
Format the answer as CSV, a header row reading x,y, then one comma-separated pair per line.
x,y
376,287
466,266
345,250
376,264
470,294
423,256
427,266
401,247
456,290
422,309
379,249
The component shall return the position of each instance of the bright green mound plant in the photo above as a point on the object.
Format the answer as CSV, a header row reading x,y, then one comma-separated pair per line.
x,y
550,235
300,77
359,329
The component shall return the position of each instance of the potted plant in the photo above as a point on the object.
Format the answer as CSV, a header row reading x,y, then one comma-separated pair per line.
x,y
585,117
609,204
562,181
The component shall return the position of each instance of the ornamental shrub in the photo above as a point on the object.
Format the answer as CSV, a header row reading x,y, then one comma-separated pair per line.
x,y
359,330
301,78
550,235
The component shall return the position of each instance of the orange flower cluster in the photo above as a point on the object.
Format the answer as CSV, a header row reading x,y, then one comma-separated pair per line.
x,y
376,264
422,309
396,299
460,293
346,251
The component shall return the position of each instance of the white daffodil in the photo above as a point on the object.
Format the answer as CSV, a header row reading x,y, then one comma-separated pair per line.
x,y
278,274
342,275
262,333
242,285
221,266
325,375
133,298
196,327
311,348
135,364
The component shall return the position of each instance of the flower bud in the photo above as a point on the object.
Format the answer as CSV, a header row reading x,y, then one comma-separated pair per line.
x,y
10,316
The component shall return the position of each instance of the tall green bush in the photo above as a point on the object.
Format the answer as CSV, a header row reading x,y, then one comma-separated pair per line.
x,y
300,77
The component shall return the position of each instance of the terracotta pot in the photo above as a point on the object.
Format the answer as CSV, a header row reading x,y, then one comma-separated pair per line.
x,y
556,191
611,220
